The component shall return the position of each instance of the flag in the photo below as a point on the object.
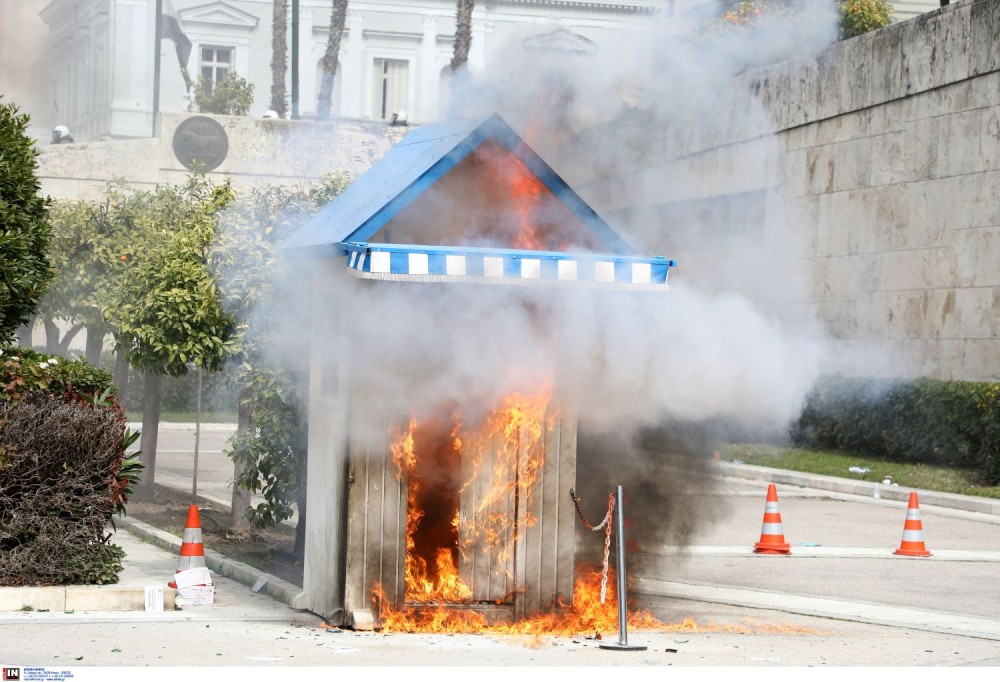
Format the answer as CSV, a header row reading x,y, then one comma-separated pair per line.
x,y
171,30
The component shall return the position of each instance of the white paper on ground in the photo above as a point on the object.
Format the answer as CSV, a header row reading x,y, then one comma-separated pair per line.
x,y
197,594
154,598
193,576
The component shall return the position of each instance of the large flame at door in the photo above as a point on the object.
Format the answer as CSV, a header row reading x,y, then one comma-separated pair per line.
x,y
492,468
470,491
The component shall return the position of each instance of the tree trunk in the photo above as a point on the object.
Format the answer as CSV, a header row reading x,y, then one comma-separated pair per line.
x,y
95,343
338,17
150,430
279,56
238,522
54,345
51,337
463,35
121,378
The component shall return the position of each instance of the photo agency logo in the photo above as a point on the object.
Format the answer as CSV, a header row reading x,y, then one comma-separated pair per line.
x,y
11,675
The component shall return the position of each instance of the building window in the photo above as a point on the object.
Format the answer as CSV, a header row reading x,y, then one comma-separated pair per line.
x,y
391,82
216,65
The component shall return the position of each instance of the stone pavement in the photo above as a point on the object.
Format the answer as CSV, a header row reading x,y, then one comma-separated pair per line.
x,y
151,560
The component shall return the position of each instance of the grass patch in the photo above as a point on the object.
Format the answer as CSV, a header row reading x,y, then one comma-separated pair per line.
x,y
831,463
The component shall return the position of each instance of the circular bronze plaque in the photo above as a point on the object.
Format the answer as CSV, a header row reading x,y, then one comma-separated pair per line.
x,y
200,143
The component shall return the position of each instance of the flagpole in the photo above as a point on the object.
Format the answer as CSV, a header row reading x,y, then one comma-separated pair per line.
x,y
157,38
295,59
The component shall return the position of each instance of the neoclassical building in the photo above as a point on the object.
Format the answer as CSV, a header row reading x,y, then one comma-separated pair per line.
x,y
394,54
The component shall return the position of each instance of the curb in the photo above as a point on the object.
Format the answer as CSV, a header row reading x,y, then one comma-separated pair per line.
x,y
120,598
981,505
285,592
71,598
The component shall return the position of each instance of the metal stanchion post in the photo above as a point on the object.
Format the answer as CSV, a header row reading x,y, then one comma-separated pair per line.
x,y
622,643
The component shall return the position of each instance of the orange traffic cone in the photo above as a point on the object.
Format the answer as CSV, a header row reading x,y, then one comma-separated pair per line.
x,y
192,548
772,539
913,531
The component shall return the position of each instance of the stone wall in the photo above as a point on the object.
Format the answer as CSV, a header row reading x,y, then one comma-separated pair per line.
x,y
901,175
881,156
259,150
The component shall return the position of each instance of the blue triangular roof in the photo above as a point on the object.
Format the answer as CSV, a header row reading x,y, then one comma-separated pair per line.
x,y
410,168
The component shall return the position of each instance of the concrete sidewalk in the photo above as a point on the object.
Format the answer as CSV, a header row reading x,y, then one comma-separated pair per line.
x,y
151,560
151,556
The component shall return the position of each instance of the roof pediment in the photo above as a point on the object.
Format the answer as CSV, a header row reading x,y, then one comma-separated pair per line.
x,y
560,40
218,14
464,184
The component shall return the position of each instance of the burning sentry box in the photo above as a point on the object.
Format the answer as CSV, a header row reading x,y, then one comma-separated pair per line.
x,y
451,510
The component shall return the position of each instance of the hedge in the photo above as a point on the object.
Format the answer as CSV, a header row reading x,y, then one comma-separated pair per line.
x,y
950,423
64,471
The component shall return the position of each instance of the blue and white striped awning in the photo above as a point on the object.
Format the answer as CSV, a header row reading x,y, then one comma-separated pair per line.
x,y
404,262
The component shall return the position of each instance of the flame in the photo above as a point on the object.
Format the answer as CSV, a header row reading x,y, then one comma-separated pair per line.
x,y
519,425
500,461
504,457
425,582
586,615
523,194
403,455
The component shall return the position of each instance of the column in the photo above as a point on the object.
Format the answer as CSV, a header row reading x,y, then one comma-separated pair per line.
x,y
427,95
477,51
308,88
353,65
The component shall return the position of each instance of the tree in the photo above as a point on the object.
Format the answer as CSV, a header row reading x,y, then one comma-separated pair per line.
x,y
78,256
338,17
463,35
750,12
127,229
165,311
24,230
230,97
279,56
861,16
855,16
269,449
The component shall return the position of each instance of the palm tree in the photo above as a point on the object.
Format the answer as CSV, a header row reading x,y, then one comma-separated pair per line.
x,y
463,34
279,56
338,17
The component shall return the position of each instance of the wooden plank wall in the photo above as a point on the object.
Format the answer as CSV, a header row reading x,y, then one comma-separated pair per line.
x,y
481,567
546,549
376,516
537,572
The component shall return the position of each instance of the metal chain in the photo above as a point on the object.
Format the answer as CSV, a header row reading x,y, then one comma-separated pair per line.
x,y
579,512
606,524
607,546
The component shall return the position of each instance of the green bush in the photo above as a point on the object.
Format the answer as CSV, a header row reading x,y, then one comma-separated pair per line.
x,y
24,371
951,423
231,97
861,16
64,471
855,17
24,232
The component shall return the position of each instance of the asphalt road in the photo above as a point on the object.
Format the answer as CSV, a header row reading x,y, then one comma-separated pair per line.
x,y
841,598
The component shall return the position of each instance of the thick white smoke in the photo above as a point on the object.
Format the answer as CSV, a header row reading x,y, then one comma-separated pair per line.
x,y
656,129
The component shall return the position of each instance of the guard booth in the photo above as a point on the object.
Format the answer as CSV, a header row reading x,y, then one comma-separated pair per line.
x,y
416,501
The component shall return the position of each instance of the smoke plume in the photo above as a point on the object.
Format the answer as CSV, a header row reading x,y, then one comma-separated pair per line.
x,y
658,129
